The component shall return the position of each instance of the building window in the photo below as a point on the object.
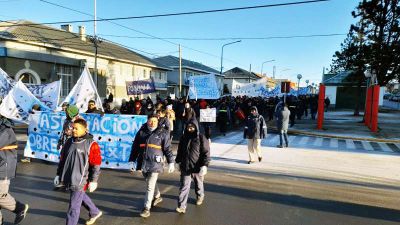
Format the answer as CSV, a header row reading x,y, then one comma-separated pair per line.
x,y
65,74
144,74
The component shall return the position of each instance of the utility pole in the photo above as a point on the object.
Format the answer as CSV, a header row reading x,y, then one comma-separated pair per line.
x,y
180,71
250,74
95,42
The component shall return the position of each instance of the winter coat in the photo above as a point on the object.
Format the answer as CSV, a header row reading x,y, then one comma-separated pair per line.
x,y
189,114
8,152
282,120
80,162
149,149
171,117
255,126
193,151
163,122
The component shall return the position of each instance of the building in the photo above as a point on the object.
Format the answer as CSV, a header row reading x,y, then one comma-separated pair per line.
x,y
239,75
42,54
343,91
189,68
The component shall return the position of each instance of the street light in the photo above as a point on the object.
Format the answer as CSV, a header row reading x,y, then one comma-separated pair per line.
x,y
262,65
299,76
307,81
222,51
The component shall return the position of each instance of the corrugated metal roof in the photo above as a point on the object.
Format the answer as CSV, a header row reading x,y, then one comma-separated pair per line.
x,y
240,73
173,61
58,38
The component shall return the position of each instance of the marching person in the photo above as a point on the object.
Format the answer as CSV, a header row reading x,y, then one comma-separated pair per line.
x,y
163,121
92,108
8,159
72,114
254,130
79,170
150,146
282,124
193,157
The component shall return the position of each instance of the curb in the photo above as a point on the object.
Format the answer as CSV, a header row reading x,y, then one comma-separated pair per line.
x,y
340,137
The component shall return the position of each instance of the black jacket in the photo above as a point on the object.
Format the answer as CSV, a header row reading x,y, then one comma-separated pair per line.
x,y
193,151
8,158
149,149
163,122
255,127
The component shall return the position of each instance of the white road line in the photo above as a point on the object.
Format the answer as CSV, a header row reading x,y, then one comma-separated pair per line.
x,y
334,143
367,146
350,144
385,147
318,142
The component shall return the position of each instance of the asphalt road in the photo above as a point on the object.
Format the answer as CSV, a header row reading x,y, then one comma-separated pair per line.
x,y
232,197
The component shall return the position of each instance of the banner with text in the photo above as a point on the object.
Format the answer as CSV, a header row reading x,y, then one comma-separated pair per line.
x,y
114,133
140,87
203,86
6,83
252,89
46,93
18,104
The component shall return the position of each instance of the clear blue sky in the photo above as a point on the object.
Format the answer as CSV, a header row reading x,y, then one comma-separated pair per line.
x,y
306,56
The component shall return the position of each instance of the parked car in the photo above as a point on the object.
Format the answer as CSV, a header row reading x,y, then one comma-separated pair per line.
x,y
395,98
387,96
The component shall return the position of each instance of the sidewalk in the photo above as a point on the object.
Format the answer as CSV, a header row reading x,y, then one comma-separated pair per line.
x,y
343,125
341,167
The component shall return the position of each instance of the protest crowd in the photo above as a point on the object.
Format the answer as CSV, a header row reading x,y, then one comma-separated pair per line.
x,y
76,129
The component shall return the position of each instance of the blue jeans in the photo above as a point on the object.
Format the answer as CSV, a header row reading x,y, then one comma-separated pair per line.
x,y
77,199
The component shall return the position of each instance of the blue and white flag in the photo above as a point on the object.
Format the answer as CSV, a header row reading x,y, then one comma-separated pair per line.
x,y
203,86
49,93
6,83
113,133
18,104
83,91
192,89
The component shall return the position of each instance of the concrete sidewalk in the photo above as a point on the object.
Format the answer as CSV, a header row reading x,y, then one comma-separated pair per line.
x,y
344,125
333,166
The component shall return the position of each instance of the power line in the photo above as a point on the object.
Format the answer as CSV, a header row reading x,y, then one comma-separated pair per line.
x,y
230,38
190,13
150,35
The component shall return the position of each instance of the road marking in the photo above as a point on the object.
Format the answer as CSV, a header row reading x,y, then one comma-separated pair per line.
x,y
367,146
375,146
394,147
303,140
359,145
334,143
318,142
350,144
385,147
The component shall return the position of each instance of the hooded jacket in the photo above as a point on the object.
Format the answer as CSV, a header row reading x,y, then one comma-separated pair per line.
x,y
80,162
8,152
193,151
282,120
149,149
255,126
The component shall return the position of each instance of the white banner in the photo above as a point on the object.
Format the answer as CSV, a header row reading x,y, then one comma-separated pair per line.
x,y
6,83
83,91
47,93
208,115
203,86
18,104
252,89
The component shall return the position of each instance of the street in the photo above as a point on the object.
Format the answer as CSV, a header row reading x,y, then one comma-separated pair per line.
x,y
280,190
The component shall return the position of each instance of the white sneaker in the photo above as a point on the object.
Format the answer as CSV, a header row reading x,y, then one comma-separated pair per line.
x,y
93,219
